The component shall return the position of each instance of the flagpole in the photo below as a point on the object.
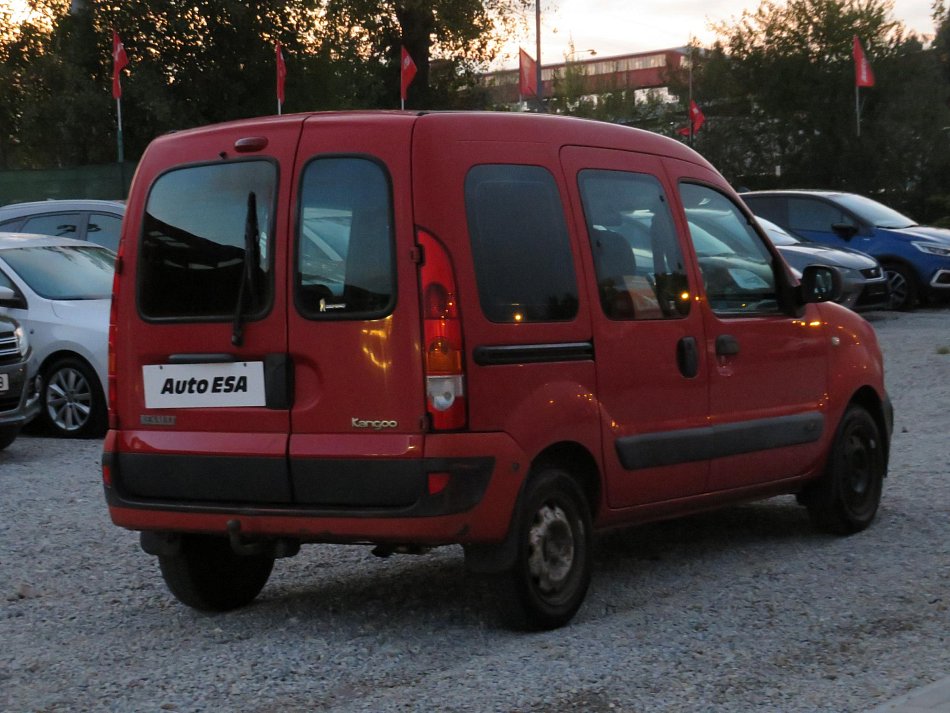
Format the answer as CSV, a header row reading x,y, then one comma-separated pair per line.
x,y
537,43
689,107
118,106
857,106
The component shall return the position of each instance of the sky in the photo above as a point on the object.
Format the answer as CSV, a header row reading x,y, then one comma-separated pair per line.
x,y
612,27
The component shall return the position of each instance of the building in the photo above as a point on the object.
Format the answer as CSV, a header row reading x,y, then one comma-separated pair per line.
x,y
641,72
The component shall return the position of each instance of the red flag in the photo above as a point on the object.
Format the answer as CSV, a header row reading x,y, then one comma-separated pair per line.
x,y
281,74
696,119
863,76
407,72
119,62
696,116
527,75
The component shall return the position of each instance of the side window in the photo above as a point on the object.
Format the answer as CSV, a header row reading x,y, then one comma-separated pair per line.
x,y
808,214
206,241
345,266
735,264
769,207
640,269
103,229
62,225
520,244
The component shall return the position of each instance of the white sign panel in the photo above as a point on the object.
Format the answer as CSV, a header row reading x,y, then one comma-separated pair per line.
x,y
239,383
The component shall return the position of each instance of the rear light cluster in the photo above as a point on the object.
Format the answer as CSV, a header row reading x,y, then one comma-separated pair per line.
x,y
443,353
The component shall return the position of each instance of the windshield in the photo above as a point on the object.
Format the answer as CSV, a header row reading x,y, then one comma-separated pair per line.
x,y
64,272
874,212
777,235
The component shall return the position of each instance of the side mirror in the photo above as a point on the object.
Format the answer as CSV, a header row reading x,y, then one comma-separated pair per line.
x,y
820,283
845,230
9,298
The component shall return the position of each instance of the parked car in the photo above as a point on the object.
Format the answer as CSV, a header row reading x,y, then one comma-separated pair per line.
x,y
97,221
59,289
18,398
413,329
916,258
863,282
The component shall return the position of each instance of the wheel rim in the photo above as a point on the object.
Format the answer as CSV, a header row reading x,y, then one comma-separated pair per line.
x,y
859,456
898,286
551,542
68,399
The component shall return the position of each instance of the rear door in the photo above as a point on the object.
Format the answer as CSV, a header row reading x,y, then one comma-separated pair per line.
x,y
648,333
354,323
201,339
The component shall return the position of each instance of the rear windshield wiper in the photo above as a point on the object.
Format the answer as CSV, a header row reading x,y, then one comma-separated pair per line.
x,y
249,268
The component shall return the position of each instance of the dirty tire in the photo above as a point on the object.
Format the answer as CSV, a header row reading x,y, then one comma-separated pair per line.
x,y
547,583
845,499
73,404
8,435
207,575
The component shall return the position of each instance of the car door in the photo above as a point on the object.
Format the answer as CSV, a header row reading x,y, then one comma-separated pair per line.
x,y
767,370
359,393
652,379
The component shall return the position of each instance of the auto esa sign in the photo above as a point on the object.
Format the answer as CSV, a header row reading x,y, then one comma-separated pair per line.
x,y
232,384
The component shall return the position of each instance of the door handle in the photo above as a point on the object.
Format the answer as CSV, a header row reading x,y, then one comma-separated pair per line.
x,y
687,357
727,345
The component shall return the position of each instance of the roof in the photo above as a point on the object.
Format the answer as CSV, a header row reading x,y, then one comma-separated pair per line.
x,y
32,240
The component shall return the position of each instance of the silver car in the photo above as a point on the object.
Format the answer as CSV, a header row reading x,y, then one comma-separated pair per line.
x,y
59,290
97,221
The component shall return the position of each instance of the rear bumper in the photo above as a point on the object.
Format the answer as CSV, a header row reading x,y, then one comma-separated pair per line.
x,y
456,488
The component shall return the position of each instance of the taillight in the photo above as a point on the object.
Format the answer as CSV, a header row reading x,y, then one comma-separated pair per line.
x,y
113,313
443,349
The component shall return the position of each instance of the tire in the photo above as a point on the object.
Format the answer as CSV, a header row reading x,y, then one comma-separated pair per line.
x,y
73,404
845,499
8,435
549,579
207,575
902,284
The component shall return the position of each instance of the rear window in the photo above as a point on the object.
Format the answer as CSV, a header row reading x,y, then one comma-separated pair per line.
x,y
345,266
207,229
520,244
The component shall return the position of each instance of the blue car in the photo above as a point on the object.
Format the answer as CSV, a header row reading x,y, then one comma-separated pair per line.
x,y
916,258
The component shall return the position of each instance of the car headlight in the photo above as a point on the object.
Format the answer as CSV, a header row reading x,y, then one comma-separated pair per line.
x,y
932,249
23,341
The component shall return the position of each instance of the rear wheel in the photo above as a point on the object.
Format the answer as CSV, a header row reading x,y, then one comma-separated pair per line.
x,y
903,287
547,583
207,575
846,498
73,405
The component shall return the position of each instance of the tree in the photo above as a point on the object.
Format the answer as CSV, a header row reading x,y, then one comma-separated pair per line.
x,y
778,89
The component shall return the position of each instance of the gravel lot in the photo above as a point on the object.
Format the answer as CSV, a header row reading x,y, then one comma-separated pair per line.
x,y
746,609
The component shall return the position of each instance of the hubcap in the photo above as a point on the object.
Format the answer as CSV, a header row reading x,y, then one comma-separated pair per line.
x,y
68,399
551,540
898,287
859,462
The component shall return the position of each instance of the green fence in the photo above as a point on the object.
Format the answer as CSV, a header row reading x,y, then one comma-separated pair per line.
x,y
109,181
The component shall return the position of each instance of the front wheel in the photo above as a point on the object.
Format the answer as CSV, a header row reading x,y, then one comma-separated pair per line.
x,y
846,498
207,575
549,579
903,287
73,403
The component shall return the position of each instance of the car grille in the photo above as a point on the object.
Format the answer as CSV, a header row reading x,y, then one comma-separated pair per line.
x,y
9,351
872,273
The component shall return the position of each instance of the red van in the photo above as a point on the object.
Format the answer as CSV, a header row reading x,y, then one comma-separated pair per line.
x,y
504,331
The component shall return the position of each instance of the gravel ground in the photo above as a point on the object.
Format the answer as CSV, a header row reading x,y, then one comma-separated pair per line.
x,y
746,609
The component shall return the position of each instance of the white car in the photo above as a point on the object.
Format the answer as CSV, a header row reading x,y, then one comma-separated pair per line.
x,y
59,290
97,221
